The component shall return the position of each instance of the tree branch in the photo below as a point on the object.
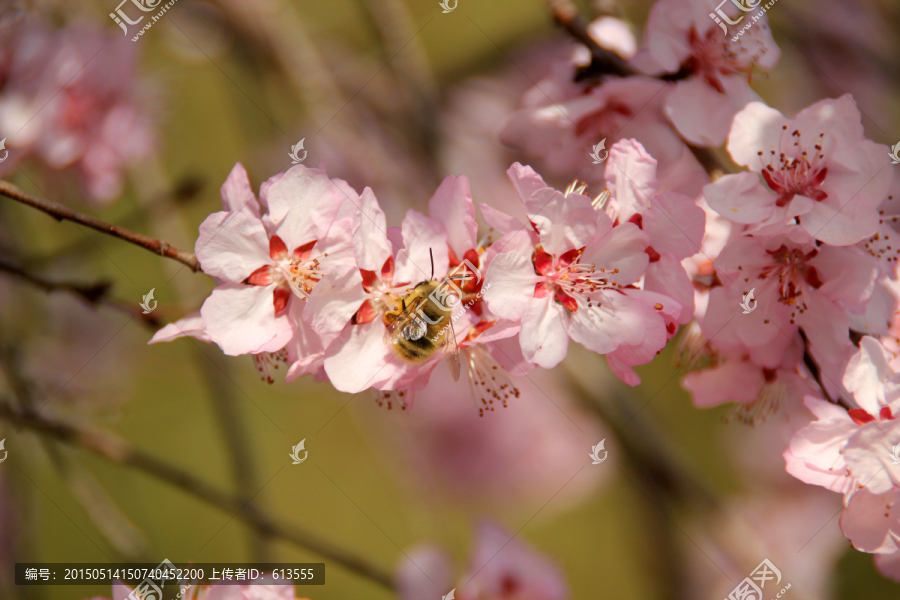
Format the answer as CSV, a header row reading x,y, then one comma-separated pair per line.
x,y
121,452
602,60
64,213
95,294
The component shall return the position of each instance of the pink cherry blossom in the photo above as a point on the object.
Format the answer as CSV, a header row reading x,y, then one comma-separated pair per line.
x,y
501,568
673,222
71,98
759,381
560,122
268,262
871,522
822,177
850,450
353,302
797,287
575,278
713,70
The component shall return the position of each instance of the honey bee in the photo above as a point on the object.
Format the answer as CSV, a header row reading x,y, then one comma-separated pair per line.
x,y
423,326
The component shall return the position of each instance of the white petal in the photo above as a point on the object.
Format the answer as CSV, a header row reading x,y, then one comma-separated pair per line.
x,y
544,335
509,285
232,245
241,320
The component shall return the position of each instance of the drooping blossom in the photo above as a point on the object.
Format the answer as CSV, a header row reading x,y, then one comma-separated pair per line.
x,y
71,98
848,450
566,114
872,523
571,274
820,177
760,381
713,70
501,567
798,288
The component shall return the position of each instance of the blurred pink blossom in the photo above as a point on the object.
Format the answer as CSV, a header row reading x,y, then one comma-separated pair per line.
x,y
501,568
681,38
71,97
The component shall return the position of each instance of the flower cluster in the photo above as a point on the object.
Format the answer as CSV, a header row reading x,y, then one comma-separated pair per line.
x,y
70,98
802,241
785,273
310,275
792,289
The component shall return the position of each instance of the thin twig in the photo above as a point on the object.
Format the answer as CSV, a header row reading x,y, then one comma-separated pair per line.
x,y
606,62
64,213
96,294
121,452
566,15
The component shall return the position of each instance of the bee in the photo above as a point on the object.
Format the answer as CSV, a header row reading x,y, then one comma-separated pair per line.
x,y
423,325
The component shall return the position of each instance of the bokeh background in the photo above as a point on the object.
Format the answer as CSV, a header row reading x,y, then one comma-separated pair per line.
x,y
393,94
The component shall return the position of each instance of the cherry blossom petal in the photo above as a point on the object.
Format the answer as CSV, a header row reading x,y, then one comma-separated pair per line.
x,y
866,373
359,359
757,128
370,242
501,563
622,250
667,276
674,224
544,335
665,38
613,320
237,194
231,245
500,221
525,180
334,300
838,118
740,198
241,320
849,275
422,237
624,372
702,114
889,565
614,34
631,177
509,284
191,325
451,205
871,521
869,456
302,204
815,454
563,222
733,381
306,350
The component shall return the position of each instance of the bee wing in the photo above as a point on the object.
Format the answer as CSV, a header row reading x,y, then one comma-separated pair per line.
x,y
452,350
394,330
